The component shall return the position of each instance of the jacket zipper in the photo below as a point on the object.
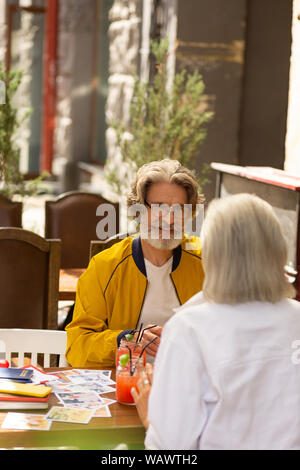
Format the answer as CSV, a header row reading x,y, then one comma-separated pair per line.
x,y
175,288
147,282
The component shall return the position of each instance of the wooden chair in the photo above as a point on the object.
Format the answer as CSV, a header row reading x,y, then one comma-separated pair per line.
x,y
10,213
72,218
34,342
29,280
96,246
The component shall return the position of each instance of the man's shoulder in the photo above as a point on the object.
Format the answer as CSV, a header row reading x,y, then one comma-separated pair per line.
x,y
191,245
105,263
116,253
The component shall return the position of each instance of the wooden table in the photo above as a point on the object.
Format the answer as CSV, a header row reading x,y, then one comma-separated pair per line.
x,y
124,426
67,283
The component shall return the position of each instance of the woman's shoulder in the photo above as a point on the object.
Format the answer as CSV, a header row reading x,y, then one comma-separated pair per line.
x,y
191,311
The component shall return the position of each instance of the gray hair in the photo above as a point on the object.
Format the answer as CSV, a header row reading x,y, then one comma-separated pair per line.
x,y
166,170
244,252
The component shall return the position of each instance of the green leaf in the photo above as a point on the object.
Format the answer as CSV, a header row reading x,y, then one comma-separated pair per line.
x,y
11,178
164,122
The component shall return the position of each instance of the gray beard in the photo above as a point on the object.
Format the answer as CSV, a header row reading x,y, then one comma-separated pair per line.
x,y
170,244
167,242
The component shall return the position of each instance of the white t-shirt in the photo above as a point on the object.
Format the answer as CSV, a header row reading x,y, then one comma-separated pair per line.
x,y
161,298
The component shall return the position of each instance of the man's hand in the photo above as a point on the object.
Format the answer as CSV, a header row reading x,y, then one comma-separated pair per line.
x,y
150,335
141,397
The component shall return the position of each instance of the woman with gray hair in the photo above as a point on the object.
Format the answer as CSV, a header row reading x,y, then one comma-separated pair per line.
x,y
224,376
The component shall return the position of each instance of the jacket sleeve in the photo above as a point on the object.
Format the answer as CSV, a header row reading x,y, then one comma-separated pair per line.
x,y
89,341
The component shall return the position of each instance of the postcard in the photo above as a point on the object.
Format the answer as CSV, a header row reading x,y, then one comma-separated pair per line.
x,y
26,421
80,399
107,401
103,412
105,373
95,377
106,389
70,415
40,377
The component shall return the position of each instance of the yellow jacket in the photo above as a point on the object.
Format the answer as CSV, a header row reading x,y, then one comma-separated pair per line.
x,y
110,296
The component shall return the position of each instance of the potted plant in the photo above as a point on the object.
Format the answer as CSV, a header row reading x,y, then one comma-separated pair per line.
x,y
164,122
12,181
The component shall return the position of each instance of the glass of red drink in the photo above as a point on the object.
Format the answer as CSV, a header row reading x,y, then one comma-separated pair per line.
x,y
136,350
127,378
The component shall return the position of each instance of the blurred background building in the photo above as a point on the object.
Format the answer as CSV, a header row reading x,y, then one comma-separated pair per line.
x,y
79,57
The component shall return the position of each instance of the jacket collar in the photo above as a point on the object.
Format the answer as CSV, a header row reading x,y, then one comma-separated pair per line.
x,y
138,257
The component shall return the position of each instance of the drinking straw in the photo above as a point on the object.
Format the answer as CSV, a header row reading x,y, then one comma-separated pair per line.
x,y
140,339
138,336
149,328
148,344
130,360
142,352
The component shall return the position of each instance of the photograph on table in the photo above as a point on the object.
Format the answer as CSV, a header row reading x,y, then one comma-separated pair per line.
x,y
70,415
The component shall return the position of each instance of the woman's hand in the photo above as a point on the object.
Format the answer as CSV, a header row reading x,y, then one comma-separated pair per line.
x,y
141,396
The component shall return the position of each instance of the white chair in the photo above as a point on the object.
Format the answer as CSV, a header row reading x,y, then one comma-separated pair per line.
x,y
46,342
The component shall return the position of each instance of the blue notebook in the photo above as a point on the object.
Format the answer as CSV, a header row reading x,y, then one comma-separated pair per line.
x,y
17,375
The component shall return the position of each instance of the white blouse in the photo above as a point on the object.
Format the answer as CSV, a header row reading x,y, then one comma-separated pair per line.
x,y
224,378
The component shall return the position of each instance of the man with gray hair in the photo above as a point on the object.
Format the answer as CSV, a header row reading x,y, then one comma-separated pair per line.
x,y
141,279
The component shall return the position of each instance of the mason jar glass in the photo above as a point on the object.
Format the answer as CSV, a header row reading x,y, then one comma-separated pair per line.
x,y
126,378
135,349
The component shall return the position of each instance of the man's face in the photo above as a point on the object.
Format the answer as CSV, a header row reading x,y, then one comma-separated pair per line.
x,y
164,216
